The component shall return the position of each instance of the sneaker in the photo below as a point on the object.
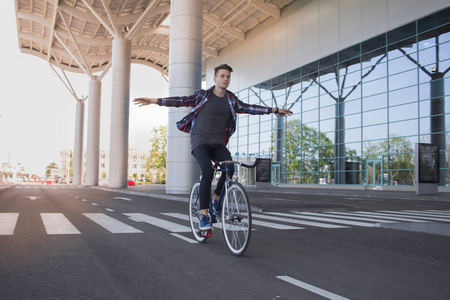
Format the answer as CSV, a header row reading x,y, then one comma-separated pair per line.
x,y
205,224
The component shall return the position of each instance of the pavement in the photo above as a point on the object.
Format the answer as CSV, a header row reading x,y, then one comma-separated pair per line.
x,y
282,198
288,197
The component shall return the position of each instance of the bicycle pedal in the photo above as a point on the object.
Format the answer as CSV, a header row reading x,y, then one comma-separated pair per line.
x,y
205,233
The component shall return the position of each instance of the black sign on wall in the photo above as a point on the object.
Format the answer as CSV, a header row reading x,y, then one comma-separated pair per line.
x,y
263,169
428,163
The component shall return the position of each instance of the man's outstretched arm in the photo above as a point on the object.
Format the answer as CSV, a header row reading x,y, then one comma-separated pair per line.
x,y
281,111
145,101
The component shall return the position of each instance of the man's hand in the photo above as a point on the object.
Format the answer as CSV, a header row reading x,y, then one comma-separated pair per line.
x,y
282,112
144,101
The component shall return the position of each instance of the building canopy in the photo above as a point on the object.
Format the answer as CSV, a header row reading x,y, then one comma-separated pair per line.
x,y
77,35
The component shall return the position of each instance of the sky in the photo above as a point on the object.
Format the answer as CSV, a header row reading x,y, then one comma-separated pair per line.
x,y
37,112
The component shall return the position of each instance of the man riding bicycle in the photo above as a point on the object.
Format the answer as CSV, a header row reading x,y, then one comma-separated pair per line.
x,y
210,124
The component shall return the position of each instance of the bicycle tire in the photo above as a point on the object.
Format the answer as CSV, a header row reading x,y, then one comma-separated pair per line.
x,y
194,210
237,219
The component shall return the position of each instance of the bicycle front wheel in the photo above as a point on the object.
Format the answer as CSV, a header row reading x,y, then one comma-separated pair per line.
x,y
194,212
237,219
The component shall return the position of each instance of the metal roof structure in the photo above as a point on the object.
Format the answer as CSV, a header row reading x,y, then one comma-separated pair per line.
x,y
77,35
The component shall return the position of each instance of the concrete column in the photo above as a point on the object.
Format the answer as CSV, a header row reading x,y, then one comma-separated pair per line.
x,y
120,107
93,132
78,147
185,77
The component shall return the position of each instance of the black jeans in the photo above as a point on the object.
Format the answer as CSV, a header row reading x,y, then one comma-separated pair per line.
x,y
204,155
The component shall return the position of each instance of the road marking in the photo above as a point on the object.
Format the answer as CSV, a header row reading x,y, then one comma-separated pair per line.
x,y
350,216
184,238
311,288
57,223
109,209
296,221
387,216
254,222
95,204
110,224
33,197
8,223
123,198
170,226
353,223
417,216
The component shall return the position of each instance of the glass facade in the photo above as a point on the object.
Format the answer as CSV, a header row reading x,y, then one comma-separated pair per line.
x,y
358,113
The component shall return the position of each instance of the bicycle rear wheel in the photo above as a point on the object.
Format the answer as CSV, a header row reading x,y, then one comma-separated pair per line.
x,y
194,212
237,219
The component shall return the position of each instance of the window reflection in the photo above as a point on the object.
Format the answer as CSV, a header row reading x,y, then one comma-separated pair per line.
x,y
368,101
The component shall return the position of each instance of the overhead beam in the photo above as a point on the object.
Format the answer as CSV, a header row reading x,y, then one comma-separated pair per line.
x,y
100,19
72,37
222,26
267,8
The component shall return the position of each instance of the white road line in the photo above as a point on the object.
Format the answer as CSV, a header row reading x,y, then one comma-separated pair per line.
x,y
254,222
384,216
184,238
170,226
95,204
353,223
8,223
57,223
111,224
417,216
311,288
428,213
350,216
274,225
296,221
109,209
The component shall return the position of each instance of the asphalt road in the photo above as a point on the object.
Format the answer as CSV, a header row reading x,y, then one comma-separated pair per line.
x,y
65,242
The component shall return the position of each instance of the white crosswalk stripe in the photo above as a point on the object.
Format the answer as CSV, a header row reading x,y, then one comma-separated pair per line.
x,y
287,220
111,224
173,227
58,223
8,223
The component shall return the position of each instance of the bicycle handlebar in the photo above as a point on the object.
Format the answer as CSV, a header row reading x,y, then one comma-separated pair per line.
x,y
246,165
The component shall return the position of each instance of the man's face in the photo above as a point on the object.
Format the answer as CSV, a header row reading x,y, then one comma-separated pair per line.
x,y
222,78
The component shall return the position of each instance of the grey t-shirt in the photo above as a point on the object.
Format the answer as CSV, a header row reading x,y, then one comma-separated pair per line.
x,y
210,123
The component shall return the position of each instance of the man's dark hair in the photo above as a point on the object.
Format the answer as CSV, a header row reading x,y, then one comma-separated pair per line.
x,y
224,66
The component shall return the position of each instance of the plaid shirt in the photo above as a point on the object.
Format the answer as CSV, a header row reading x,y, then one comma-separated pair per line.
x,y
198,100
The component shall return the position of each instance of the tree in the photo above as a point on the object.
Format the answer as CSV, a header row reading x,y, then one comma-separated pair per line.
x,y
344,90
437,95
51,166
400,158
156,163
303,154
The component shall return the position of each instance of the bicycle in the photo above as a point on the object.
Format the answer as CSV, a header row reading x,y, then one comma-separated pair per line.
x,y
232,211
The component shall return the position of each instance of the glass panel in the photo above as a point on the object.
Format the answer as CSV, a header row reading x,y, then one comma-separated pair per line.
x,y
401,33
404,128
424,126
375,132
310,116
374,87
375,117
404,48
401,64
429,22
352,106
374,43
375,102
327,112
352,121
349,53
353,135
327,125
402,80
405,95
403,112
